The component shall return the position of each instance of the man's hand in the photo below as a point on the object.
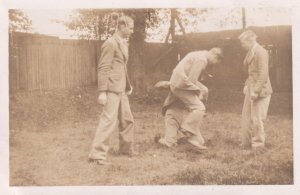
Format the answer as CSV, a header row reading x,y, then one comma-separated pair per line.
x,y
245,89
102,98
204,97
130,91
162,84
253,96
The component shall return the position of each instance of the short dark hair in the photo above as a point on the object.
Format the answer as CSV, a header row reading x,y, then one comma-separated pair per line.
x,y
249,34
218,52
123,20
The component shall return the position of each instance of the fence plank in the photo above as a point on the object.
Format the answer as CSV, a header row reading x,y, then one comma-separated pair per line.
x,y
44,62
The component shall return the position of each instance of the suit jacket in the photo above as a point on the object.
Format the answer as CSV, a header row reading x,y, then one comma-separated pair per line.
x,y
171,99
186,74
257,63
112,66
185,77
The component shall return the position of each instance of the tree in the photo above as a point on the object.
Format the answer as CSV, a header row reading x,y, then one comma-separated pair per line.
x,y
97,24
91,24
137,65
18,21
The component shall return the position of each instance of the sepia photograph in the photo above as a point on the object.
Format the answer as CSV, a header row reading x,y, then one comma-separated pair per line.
x,y
151,96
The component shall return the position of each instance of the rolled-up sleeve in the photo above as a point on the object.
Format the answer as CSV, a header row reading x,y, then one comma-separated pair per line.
x,y
104,65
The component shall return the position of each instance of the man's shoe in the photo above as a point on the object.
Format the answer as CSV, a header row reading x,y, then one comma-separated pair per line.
x,y
157,138
258,145
99,162
131,153
245,146
200,148
259,149
196,146
162,142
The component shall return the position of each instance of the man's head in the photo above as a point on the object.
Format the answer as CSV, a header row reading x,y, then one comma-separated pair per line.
x,y
247,39
215,55
125,26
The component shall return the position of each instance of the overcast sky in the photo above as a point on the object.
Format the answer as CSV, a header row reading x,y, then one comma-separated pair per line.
x,y
43,21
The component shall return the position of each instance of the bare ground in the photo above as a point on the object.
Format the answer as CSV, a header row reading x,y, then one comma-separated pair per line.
x,y
51,133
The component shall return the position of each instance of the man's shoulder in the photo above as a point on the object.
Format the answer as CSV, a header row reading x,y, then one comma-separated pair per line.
x,y
261,50
197,55
110,42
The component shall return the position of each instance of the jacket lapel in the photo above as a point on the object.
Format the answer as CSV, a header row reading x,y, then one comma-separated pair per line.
x,y
250,56
122,46
124,49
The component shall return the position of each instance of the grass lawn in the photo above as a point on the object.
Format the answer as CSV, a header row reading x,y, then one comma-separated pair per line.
x,y
51,133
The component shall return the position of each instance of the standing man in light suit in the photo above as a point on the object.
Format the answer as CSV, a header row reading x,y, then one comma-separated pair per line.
x,y
114,88
257,91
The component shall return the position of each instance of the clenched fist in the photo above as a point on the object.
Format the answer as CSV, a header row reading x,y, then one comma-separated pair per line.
x,y
102,98
245,89
129,92
162,84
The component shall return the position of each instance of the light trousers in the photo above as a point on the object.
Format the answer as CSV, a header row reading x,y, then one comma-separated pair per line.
x,y
254,115
187,118
116,114
173,124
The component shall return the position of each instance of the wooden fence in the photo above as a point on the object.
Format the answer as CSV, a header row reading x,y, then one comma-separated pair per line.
x,y
43,62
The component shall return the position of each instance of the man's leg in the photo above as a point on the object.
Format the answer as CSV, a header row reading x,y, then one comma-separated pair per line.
x,y
195,139
107,124
192,121
126,126
259,110
172,127
246,122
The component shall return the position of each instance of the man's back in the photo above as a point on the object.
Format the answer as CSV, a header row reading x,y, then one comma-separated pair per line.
x,y
189,69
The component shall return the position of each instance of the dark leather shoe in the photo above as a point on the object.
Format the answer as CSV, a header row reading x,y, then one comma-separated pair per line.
x,y
245,146
196,145
131,153
99,162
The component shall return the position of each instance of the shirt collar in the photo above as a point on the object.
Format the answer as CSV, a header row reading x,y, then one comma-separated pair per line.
x,y
120,39
253,47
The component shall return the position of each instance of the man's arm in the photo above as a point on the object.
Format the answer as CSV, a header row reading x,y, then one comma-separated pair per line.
x,y
104,65
195,68
162,84
203,91
203,88
263,70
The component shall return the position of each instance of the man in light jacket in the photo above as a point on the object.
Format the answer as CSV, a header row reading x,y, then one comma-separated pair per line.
x,y
257,91
183,108
113,87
